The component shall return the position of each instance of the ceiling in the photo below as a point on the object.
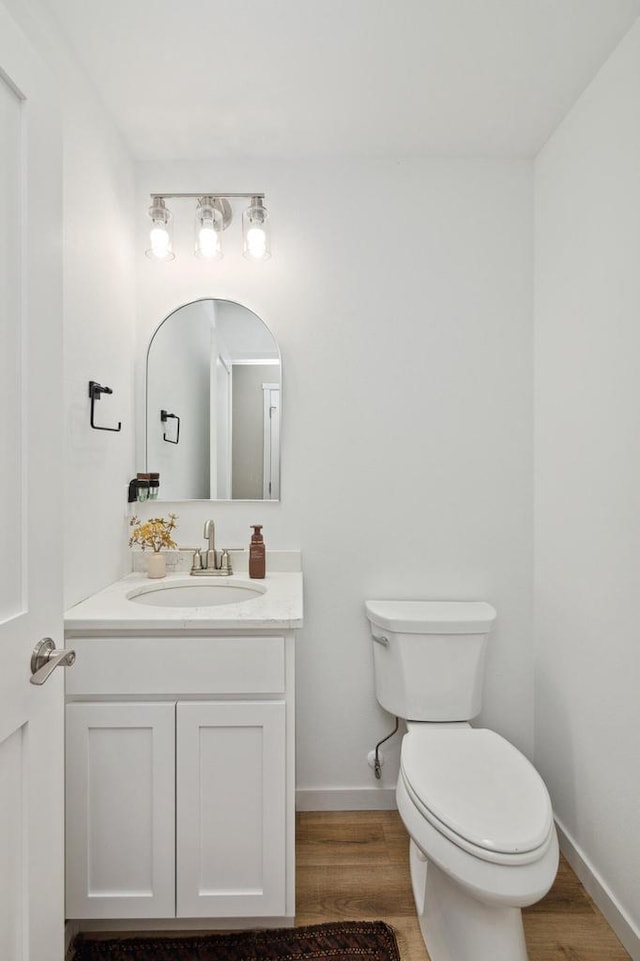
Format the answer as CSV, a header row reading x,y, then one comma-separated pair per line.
x,y
381,78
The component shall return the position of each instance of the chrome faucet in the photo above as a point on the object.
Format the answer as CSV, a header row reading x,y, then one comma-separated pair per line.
x,y
211,563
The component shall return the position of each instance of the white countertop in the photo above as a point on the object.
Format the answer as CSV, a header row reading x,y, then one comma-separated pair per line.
x,y
279,608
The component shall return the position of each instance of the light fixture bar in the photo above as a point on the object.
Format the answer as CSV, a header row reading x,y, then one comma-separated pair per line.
x,y
205,193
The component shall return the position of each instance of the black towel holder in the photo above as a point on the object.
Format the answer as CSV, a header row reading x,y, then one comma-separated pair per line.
x,y
95,390
164,417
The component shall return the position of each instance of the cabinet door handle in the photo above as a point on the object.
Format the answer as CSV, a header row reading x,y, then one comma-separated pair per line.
x,y
46,658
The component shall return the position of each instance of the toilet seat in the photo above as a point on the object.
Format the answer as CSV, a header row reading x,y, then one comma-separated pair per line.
x,y
479,791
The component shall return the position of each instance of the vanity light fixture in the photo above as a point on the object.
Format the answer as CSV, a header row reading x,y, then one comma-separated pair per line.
x,y
255,231
212,216
209,226
160,245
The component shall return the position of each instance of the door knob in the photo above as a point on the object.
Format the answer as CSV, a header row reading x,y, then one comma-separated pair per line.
x,y
46,658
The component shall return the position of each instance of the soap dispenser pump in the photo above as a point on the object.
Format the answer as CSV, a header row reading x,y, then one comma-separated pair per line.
x,y
257,553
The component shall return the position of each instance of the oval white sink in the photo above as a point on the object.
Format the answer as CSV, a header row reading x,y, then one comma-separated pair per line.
x,y
197,594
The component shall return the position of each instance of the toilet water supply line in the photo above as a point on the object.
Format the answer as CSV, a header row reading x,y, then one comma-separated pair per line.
x,y
377,764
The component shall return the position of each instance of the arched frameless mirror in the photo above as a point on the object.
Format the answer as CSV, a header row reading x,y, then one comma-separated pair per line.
x,y
213,410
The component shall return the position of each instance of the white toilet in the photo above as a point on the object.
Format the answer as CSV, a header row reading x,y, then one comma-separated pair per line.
x,y
483,842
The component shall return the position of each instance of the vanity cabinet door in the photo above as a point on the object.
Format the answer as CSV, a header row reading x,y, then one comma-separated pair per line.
x,y
120,810
231,809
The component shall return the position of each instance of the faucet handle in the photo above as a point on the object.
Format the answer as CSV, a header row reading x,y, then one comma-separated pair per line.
x,y
225,560
196,562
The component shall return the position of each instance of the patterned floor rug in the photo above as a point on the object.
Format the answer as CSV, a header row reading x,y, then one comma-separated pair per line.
x,y
343,941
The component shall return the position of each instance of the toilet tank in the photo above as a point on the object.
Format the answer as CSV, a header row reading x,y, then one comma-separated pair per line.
x,y
429,657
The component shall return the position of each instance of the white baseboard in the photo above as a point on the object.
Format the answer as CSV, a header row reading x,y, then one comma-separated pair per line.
x,y
346,799
622,925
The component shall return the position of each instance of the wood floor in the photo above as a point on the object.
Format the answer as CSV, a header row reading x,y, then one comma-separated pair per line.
x,y
354,866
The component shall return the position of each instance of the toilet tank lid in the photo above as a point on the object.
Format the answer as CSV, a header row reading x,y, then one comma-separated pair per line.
x,y
432,617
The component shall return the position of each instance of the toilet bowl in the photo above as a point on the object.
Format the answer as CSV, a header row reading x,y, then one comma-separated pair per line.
x,y
483,841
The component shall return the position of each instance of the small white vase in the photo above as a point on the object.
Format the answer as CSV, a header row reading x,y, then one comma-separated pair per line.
x,y
156,565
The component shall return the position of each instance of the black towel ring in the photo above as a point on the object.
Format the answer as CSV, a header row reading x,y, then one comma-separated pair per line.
x,y
164,417
95,390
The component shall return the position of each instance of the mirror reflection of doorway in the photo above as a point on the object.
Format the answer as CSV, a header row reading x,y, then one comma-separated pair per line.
x,y
255,435
221,432
271,433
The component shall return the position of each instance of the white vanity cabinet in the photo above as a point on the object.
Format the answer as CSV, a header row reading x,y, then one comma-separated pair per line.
x,y
180,781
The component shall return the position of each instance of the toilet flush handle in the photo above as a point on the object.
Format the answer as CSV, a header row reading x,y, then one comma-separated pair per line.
x,y
381,639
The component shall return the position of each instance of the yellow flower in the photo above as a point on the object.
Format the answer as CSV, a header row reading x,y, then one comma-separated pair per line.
x,y
154,533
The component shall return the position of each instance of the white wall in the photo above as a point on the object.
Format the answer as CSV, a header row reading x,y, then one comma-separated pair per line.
x,y
99,310
587,579
99,331
400,295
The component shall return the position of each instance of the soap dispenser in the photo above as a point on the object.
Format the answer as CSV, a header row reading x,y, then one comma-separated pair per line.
x,y
257,553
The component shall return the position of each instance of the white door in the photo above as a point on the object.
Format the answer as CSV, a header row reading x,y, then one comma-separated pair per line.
x,y
31,444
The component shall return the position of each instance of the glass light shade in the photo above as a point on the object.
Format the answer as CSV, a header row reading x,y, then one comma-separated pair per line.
x,y
208,227
160,245
256,241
